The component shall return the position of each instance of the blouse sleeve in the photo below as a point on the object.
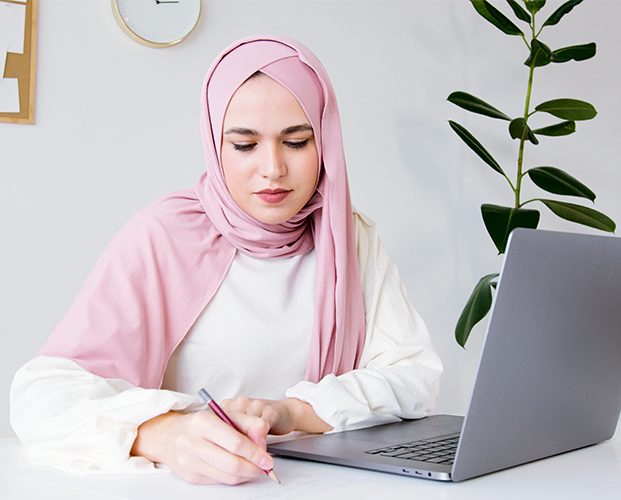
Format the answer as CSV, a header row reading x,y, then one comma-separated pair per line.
x,y
75,421
400,371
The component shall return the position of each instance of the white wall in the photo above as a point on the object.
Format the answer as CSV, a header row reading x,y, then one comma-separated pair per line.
x,y
117,126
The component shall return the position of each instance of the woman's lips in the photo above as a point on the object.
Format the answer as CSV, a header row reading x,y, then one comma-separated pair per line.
x,y
273,196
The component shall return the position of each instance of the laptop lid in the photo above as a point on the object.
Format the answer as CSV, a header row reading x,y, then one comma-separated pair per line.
x,y
549,376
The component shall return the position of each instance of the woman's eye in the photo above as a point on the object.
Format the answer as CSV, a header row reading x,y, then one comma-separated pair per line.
x,y
296,144
242,147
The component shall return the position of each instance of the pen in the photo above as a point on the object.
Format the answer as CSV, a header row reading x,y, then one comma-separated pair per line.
x,y
218,411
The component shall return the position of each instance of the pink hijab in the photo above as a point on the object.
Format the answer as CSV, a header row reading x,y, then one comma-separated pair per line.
x,y
164,266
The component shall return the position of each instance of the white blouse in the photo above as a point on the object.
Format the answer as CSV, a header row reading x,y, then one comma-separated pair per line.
x,y
253,338
75,421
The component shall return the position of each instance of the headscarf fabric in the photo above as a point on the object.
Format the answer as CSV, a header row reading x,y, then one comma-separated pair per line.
x,y
164,266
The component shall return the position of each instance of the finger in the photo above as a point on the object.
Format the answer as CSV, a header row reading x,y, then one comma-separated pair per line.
x,y
226,405
237,405
202,458
255,407
207,463
256,429
257,435
239,444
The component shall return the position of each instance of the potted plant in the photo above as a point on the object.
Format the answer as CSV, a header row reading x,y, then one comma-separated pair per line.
x,y
501,220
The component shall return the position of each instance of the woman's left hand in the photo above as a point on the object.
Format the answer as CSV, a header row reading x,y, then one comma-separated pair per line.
x,y
283,416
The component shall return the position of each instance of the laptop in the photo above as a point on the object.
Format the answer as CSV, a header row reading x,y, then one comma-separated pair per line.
x,y
548,380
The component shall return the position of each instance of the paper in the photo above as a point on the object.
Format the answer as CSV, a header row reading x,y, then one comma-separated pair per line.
x,y
297,478
9,88
9,95
3,53
12,26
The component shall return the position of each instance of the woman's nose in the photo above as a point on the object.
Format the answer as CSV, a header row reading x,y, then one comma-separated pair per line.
x,y
272,164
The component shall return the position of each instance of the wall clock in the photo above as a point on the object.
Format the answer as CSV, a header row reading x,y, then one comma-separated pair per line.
x,y
157,23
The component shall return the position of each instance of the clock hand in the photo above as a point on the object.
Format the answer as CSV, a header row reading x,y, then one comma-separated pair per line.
x,y
166,1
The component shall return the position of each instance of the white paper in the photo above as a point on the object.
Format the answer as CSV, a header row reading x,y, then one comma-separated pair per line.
x,y
297,479
12,26
9,95
3,51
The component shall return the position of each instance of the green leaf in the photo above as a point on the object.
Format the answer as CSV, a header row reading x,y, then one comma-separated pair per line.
x,y
500,221
540,55
518,129
558,129
475,105
575,53
477,307
497,18
555,180
476,146
581,215
521,14
534,6
560,12
568,109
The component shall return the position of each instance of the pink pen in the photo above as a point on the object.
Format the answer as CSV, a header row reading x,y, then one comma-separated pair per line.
x,y
220,412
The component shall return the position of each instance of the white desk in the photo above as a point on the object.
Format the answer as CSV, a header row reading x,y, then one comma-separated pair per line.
x,y
593,472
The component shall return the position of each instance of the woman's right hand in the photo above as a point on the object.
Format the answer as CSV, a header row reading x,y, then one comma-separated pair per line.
x,y
202,449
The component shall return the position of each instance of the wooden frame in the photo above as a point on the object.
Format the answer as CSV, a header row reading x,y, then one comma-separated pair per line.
x,y
23,67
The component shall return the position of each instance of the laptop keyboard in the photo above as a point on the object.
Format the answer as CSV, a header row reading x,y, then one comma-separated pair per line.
x,y
438,450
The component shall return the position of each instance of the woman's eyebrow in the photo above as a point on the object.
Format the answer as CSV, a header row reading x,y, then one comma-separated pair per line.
x,y
296,128
286,131
241,131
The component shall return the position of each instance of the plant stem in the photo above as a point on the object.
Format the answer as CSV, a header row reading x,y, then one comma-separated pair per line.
x,y
520,163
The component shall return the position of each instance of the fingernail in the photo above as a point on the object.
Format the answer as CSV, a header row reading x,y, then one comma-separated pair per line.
x,y
266,462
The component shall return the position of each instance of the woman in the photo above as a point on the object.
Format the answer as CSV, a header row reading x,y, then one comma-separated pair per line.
x,y
261,283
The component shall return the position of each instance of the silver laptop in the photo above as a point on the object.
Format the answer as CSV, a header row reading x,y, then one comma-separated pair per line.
x,y
548,381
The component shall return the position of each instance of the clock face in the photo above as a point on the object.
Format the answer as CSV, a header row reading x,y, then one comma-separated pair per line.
x,y
157,23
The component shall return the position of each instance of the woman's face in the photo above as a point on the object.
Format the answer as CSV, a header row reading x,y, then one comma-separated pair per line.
x,y
268,154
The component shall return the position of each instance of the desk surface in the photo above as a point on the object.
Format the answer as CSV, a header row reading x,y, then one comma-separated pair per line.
x,y
593,472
